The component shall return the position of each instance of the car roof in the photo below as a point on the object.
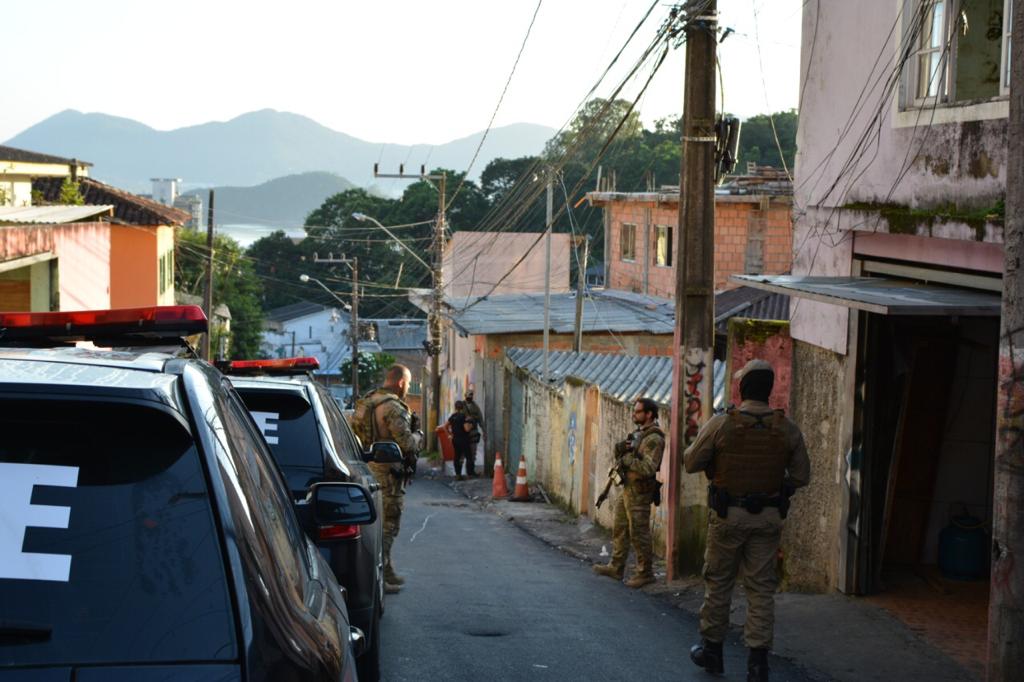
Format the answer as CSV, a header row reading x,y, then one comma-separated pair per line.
x,y
142,369
299,381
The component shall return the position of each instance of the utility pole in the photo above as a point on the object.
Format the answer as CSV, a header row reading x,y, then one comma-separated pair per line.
x,y
436,317
694,333
353,329
547,270
581,288
1006,598
204,350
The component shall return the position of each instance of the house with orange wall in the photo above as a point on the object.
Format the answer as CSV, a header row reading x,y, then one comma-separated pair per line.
x,y
141,241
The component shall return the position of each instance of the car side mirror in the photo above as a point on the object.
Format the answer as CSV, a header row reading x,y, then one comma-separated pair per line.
x,y
384,452
341,504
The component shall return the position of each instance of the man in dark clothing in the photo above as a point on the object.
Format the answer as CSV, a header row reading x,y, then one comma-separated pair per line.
x,y
457,429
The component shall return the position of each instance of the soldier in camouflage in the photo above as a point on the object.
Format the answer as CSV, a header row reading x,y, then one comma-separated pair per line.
x,y
638,459
382,415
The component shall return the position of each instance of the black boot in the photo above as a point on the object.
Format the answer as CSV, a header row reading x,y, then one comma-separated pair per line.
x,y
757,665
708,655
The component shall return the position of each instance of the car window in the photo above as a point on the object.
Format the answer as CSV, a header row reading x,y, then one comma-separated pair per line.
x,y
278,528
289,426
108,548
345,442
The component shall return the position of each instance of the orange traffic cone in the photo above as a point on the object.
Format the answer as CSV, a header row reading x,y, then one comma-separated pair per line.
x,y
499,490
522,491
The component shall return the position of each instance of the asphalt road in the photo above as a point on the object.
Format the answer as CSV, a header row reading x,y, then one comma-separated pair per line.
x,y
485,601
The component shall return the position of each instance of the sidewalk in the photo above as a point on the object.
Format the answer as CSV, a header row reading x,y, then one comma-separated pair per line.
x,y
833,636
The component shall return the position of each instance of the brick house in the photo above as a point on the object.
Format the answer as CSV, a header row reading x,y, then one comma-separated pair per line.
x,y
753,234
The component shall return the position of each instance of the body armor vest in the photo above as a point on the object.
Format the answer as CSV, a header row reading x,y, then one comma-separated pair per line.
x,y
364,417
752,459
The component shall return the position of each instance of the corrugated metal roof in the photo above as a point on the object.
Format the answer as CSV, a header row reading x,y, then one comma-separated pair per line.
x,y
881,295
754,304
603,311
401,333
51,214
623,377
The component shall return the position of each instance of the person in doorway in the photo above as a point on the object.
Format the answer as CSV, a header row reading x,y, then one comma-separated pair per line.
x,y
755,458
474,412
638,459
382,415
459,430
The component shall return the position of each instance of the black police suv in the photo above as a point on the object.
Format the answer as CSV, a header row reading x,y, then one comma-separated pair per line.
x,y
312,442
145,531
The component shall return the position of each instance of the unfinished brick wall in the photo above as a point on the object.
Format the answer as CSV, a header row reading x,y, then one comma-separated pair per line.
x,y
753,235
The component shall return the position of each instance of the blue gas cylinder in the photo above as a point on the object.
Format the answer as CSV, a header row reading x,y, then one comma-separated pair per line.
x,y
963,549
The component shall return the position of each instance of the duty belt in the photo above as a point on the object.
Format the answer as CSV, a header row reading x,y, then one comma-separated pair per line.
x,y
755,503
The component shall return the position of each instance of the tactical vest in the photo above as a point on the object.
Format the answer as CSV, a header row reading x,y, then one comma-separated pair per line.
x,y
364,417
644,484
752,458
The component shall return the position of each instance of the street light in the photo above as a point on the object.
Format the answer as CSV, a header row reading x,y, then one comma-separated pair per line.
x,y
305,279
353,328
362,217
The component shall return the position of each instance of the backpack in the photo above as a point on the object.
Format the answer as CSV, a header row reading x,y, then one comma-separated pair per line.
x,y
363,421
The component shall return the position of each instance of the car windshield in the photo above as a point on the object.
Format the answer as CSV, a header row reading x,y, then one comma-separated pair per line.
x,y
108,548
289,426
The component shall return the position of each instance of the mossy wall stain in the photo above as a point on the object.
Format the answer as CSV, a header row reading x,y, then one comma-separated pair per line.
x,y
692,538
920,221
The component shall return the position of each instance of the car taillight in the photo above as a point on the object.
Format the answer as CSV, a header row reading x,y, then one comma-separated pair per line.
x,y
340,532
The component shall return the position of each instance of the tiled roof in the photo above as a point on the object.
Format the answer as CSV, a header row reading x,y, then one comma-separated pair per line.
x,y
26,156
129,208
623,377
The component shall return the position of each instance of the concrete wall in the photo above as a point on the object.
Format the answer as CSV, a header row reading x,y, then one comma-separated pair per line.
x,y
133,267
748,230
813,532
83,256
474,262
932,172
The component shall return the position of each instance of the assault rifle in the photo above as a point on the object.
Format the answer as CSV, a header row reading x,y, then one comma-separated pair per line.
x,y
616,475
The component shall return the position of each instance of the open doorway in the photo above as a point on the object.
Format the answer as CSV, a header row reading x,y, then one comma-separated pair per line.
x,y
928,418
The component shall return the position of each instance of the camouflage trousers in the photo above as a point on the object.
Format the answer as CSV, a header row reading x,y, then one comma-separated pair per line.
x,y
741,543
632,524
392,501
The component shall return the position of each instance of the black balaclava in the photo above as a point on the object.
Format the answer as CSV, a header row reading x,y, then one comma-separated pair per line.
x,y
757,385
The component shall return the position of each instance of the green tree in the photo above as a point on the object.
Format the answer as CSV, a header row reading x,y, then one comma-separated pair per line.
x,y
371,369
757,141
70,193
235,285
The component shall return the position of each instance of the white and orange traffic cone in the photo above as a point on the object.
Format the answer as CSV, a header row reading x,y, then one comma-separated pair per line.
x,y
522,491
499,490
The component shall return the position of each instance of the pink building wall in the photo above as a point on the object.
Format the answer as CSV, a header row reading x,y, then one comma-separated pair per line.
x,y
760,340
83,261
474,262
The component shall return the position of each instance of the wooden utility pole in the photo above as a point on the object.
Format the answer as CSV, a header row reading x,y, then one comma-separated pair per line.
x,y
435,320
581,291
204,350
547,270
693,359
1006,600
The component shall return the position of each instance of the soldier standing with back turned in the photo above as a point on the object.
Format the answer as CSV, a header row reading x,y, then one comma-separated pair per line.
x,y
638,459
755,458
381,415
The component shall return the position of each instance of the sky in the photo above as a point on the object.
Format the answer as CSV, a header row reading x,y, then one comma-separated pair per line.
x,y
399,71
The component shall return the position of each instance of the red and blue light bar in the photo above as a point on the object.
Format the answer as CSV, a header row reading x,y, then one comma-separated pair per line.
x,y
122,324
276,366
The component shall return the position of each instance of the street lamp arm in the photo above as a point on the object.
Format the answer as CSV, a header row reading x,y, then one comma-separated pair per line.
x,y
307,278
362,217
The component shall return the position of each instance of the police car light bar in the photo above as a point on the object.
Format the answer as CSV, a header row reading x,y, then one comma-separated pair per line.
x,y
118,325
283,366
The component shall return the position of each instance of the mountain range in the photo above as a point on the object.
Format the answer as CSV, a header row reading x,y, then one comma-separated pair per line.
x,y
251,149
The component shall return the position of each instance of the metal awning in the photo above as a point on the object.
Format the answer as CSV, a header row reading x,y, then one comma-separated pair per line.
x,y
881,295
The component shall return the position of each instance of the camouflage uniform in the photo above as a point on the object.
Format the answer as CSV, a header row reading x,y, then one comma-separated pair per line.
x,y
744,541
391,421
632,515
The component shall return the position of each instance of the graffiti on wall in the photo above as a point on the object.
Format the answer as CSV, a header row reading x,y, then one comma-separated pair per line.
x,y
1010,409
694,369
